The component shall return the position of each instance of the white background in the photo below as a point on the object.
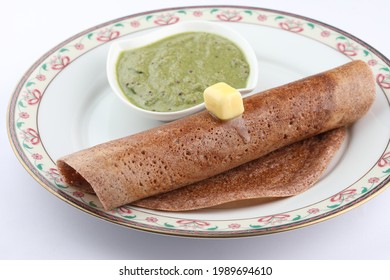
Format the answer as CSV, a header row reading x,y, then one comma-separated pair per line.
x,y
34,224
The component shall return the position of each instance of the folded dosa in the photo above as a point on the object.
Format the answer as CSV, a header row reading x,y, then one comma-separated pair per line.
x,y
285,172
198,147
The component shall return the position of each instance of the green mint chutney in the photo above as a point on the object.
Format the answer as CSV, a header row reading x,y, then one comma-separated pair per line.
x,y
171,74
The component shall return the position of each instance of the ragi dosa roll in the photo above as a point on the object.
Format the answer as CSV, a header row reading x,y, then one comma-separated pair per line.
x,y
285,172
198,147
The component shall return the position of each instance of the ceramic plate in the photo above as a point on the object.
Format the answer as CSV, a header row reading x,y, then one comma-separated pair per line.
x,y
64,104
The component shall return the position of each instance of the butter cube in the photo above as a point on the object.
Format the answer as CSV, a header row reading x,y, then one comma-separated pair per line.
x,y
223,101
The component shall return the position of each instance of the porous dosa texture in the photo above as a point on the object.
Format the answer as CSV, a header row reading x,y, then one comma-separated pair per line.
x,y
199,146
285,172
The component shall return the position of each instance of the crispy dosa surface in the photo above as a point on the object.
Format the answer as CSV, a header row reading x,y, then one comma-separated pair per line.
x,y
198,147
285,172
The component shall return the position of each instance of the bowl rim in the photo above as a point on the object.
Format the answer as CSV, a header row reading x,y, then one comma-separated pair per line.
x,y
119,46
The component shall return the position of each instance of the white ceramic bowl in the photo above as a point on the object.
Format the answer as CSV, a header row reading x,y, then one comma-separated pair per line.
x,y
190,26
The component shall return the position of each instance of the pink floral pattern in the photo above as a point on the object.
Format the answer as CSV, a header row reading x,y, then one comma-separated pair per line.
x,y
325,33
372,62
107,34
24,115
383,80
55,176
274,219
197,13
31,136
262,17
26,138
33,96
135,23
124,209
343,195
151,219
347,48
41,77
292,26
373,180
234,226
384,160
194,224
313,211
78,194
59,62
166,19
79,46
37,156
229,15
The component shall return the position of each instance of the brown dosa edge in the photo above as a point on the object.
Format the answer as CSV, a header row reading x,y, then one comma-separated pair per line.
x,y
287,171
198,147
